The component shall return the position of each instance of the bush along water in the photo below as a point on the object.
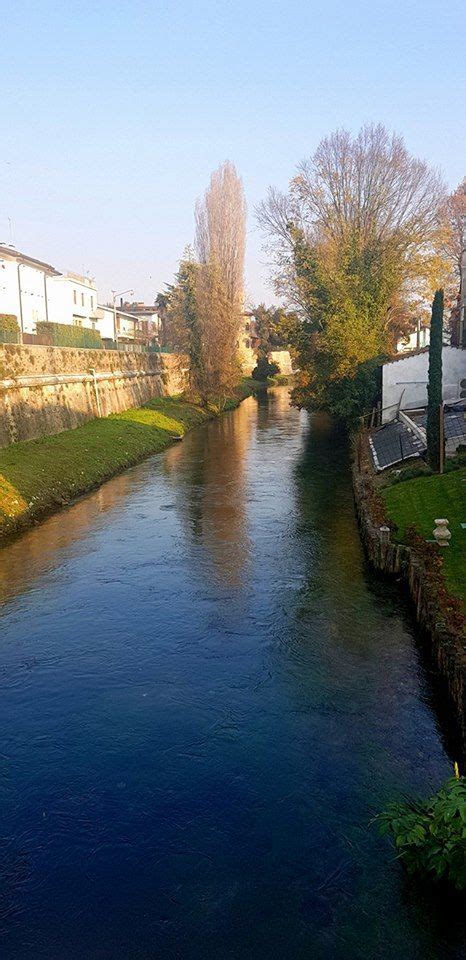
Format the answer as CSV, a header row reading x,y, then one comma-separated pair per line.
x,y
430,835
265,368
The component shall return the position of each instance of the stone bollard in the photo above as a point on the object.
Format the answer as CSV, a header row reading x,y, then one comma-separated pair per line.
x,y
441,533
384,535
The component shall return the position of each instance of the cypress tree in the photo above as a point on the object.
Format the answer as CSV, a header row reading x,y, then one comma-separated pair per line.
x,y
434,385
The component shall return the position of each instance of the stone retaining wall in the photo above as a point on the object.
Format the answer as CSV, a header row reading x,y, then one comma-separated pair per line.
x,y
44,390
448,650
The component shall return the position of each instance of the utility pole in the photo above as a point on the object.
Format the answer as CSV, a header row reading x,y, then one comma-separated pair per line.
x,y
20,305
45,295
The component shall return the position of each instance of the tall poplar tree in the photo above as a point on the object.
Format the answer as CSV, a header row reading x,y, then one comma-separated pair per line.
x,y
220,245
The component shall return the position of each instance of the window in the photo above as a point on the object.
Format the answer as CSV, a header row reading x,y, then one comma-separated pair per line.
x,y
92,303
75,297
82,299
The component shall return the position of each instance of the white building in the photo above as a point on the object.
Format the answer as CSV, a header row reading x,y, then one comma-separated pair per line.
x,y
73,299
415,340
25,287
149,323
404,380
34,291
127,325
106,322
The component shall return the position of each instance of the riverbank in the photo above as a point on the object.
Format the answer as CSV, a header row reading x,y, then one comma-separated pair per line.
x,y
38,477
418,502
418,565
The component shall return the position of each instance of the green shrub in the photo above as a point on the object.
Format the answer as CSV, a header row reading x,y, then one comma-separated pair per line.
x,y
349,398
68,335
9,329
430,835
265,369
434,384
410,473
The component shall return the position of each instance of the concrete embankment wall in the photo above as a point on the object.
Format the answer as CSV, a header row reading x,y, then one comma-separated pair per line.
x,y
44,390
447,650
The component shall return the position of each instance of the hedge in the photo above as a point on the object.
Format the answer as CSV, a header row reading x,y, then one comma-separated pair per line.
x,y
9,329
68,335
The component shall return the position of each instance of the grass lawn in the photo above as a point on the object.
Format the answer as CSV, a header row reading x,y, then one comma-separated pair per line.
x,y
420,502
39,476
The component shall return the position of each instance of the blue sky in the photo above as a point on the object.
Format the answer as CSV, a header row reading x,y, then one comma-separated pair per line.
x,y
113,114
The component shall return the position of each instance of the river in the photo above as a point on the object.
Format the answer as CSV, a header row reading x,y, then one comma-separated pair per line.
x,y
205,698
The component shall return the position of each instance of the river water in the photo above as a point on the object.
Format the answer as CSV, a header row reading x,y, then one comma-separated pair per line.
x,y
204,700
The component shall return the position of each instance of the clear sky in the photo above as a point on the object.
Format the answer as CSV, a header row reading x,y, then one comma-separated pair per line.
x,y
113,114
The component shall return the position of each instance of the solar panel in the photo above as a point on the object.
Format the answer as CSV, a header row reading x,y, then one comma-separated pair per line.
x,y
454,421
393,443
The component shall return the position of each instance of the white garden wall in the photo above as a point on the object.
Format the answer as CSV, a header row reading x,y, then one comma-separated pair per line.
x,y
405,380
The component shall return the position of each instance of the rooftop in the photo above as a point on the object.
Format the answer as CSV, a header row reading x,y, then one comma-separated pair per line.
x,y
10,253
406,354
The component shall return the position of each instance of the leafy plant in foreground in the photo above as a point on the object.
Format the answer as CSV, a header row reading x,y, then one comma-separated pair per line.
x,y
430,835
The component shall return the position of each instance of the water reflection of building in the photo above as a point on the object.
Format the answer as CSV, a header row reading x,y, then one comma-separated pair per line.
x,y
209,472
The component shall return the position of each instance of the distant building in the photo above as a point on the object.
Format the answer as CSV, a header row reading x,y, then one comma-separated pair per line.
x,y
248,343
106,322
25,287
34,291
127,325
416,340
150,325
77,300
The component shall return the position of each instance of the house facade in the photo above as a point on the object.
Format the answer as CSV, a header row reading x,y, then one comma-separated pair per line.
x,y
76,300
25,287
416,340
248,344
114,322
404,380
149,322
33,291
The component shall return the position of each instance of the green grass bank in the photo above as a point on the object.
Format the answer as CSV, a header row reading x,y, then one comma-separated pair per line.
x,y
38,477
419,502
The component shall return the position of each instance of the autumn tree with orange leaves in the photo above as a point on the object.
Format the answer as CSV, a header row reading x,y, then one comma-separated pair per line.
x,y
355,245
